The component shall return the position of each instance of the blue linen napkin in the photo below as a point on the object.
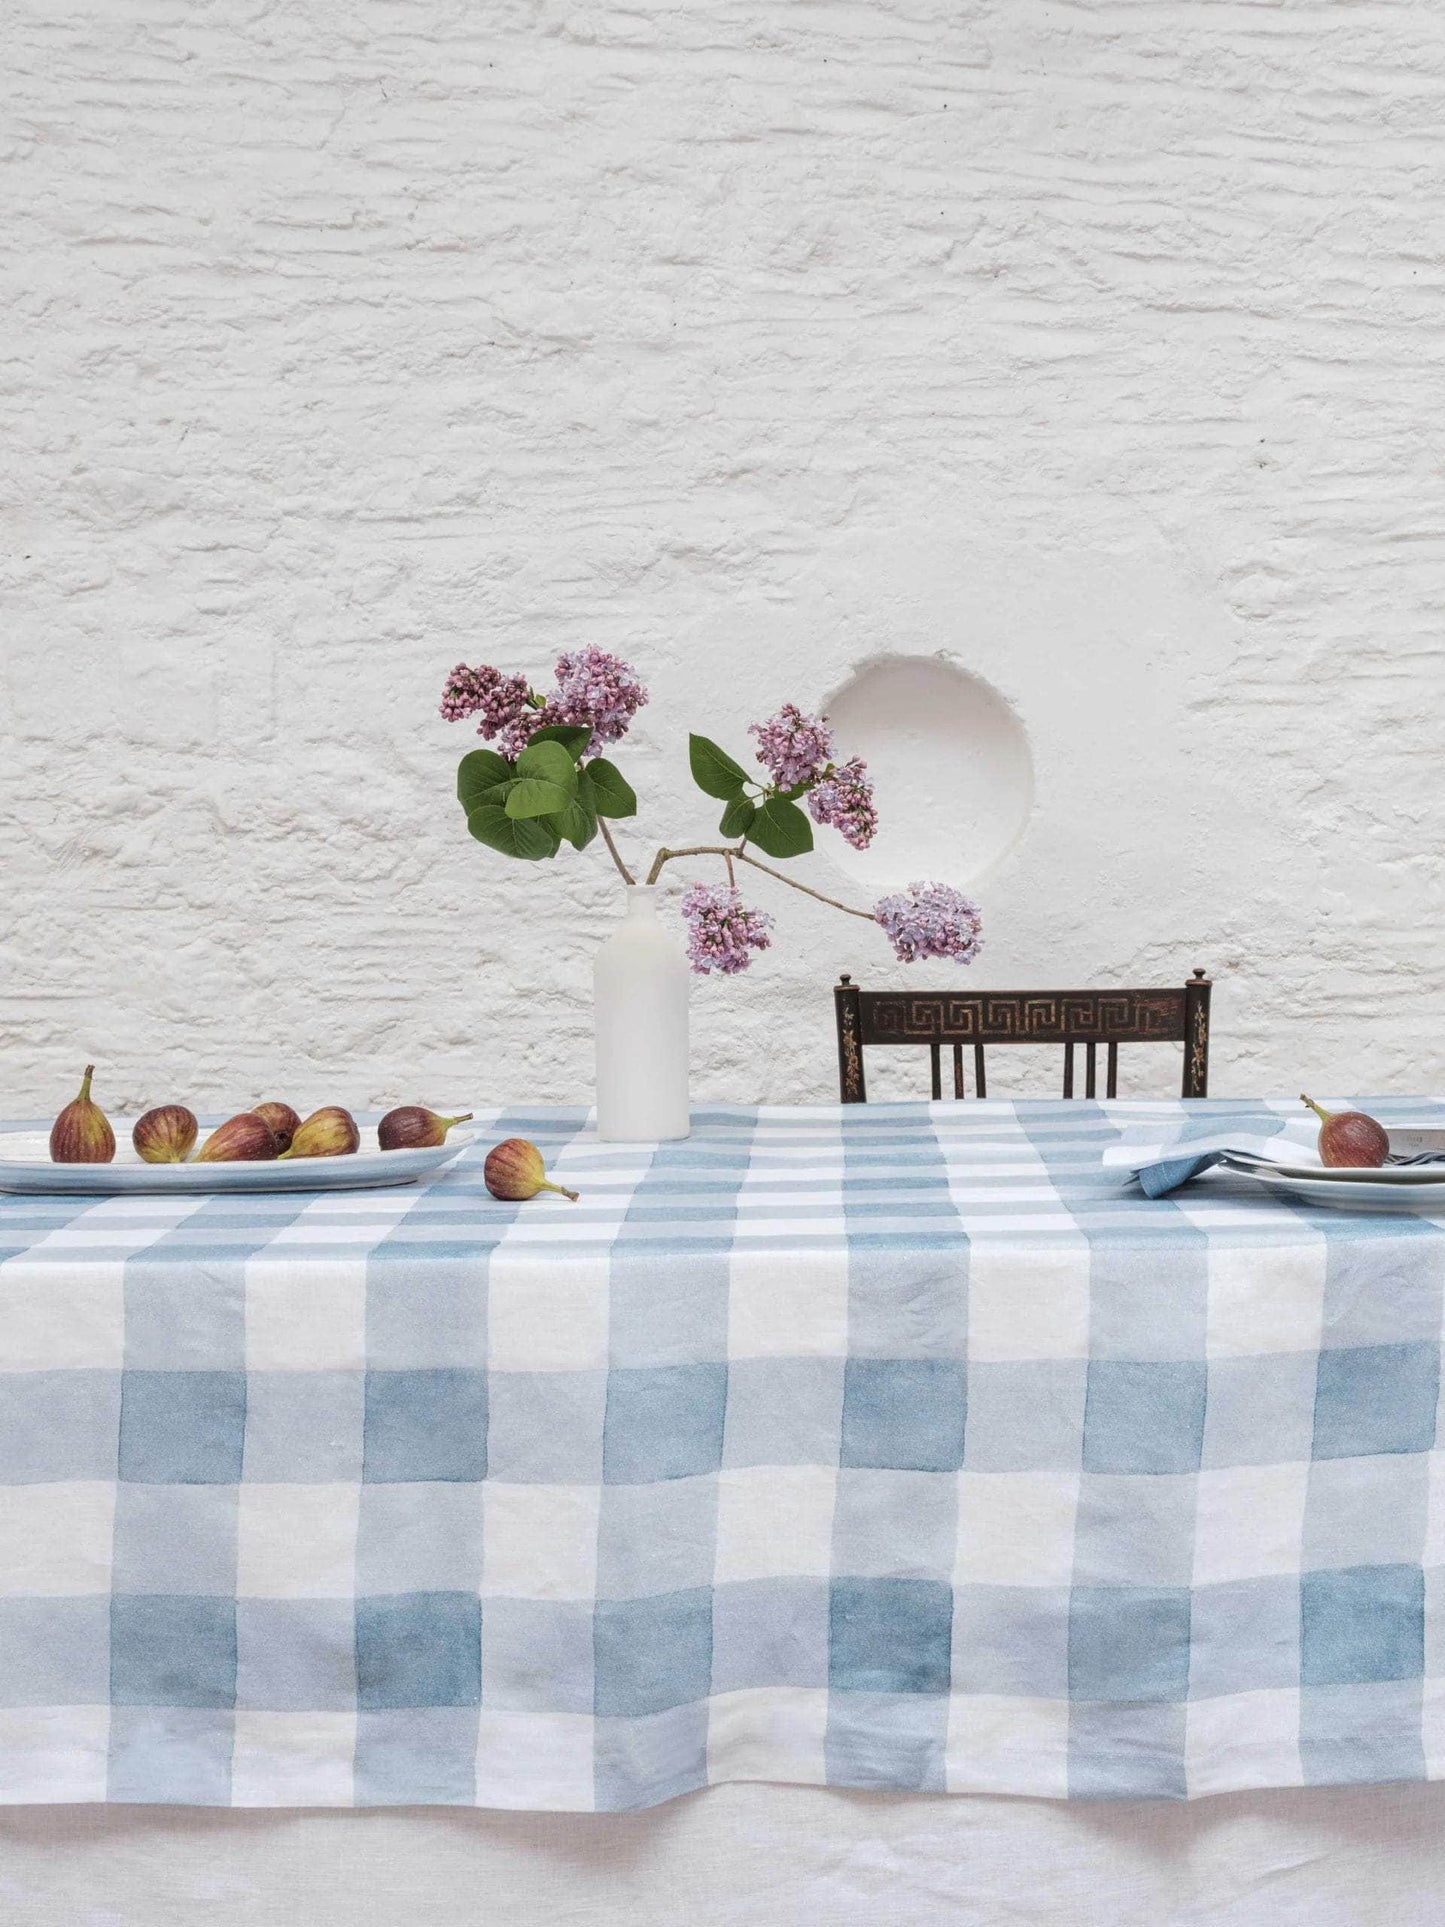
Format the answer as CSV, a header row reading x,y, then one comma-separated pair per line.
x,y
1161,1163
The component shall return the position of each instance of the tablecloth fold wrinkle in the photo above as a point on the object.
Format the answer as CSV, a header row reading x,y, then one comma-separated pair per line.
x,y
898,1446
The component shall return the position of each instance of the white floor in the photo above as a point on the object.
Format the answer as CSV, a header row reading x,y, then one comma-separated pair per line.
x,y
744,1856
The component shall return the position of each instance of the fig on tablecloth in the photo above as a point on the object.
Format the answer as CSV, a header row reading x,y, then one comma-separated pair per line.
x,y
411,1127
514,1171
243,1139
282,1120
82,1134
1349,1138
327,1133
166,1135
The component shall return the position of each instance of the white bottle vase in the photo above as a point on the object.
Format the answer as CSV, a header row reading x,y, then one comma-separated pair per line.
x,y
640,988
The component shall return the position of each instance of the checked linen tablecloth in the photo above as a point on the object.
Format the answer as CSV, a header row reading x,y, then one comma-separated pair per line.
x,y
896,1446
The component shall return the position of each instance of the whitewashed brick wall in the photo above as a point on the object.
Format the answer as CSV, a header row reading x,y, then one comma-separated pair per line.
x,y
1099,346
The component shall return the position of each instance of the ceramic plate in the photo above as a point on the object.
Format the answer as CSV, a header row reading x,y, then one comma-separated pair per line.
x,y
25,1166
1403,1175
1411,1189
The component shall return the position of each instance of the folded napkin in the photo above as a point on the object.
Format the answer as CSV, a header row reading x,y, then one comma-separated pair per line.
x,y
1161,1162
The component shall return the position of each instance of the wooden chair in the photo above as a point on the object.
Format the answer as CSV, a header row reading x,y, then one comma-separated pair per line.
x,y
983,1017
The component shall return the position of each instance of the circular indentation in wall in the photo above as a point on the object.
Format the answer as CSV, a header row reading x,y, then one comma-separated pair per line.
x,y
950,763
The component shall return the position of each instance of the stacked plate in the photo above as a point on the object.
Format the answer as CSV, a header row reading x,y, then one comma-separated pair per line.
x,y
1401,1185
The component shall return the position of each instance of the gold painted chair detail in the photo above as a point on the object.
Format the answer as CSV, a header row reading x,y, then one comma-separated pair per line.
x,y
984,1018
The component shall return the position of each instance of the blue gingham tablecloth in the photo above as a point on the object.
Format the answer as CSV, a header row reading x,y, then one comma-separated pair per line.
x,y
890,1446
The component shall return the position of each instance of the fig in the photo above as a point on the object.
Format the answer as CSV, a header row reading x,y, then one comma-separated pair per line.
x,y
1349,1137
411,1127
282,1120
82,1133
327,1133
165,1135
244,1138
514,1170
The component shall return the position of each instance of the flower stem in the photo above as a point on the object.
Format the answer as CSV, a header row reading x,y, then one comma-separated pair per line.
x,y
736,854
613,851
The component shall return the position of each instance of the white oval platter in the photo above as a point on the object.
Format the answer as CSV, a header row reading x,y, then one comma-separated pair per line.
x,y
25,1166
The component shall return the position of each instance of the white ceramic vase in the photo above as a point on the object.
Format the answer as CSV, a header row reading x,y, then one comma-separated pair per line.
x,y
640,988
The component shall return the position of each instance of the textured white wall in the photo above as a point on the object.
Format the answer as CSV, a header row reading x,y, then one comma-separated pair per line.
x,y
1096,345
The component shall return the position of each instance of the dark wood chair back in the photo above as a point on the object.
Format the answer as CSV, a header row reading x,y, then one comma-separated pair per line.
x,y
980,1018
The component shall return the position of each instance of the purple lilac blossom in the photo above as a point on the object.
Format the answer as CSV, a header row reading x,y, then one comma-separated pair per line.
x,y
485,692
722,932
598,690
792,747
844,799
594,689
515,737
931,920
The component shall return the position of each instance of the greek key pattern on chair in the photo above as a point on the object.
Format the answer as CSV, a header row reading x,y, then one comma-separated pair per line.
x,y
1077,1019
1042,1017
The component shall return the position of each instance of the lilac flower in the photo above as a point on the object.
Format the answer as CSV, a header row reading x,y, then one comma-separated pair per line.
x,y
931,920
597,690
792,747
593,689
518,733
722,931
844,799
487,693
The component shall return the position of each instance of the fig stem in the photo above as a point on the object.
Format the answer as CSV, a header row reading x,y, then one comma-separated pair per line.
x,y
465,1118
547,1185
85,1083
1318,1109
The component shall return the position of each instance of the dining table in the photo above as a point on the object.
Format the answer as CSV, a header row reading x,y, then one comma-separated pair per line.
x,y
901,1449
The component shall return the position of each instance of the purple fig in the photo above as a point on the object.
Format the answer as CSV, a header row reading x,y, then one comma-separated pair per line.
x,y
514,1170
284,1122
327,1133
244,1138
411,1127
165,1135
82,1133
1349,1138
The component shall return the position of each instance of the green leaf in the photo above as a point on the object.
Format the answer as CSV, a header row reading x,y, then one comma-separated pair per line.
x,y
577,823
607,789
574,737
550,763
531,796
528,837
781,829
498,794
479,771
737,818
714,771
